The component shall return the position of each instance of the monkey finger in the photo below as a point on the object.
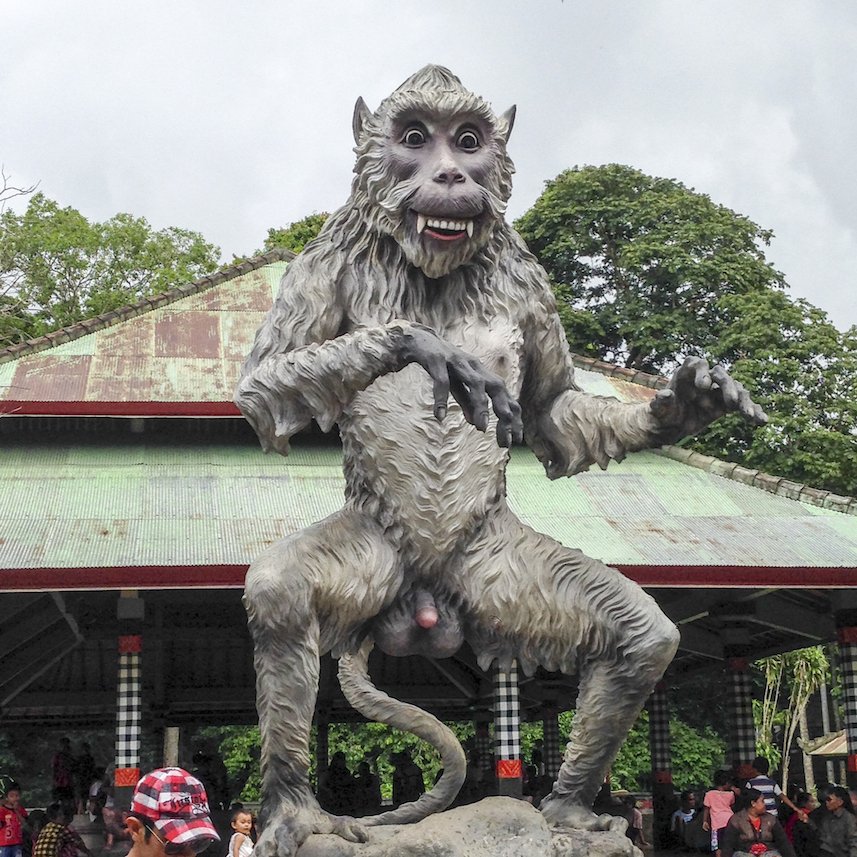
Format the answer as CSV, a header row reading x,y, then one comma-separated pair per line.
x,y
461,393
746,405
480,401
440,388
664,404
730,389
517,422
702,375
691,375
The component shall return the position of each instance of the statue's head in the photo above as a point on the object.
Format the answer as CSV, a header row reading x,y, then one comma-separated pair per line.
x,y
432,169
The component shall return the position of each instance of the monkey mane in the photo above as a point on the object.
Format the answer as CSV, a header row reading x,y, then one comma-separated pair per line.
x,y
359,249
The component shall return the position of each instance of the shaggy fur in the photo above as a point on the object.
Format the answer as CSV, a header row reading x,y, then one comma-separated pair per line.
x,y
364,315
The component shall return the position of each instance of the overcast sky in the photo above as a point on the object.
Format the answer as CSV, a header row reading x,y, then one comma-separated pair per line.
x,y
231,118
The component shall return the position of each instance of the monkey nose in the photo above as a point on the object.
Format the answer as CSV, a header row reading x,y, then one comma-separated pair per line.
x,y
451,175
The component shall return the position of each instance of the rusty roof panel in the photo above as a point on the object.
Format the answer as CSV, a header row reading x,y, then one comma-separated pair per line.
x,y
191,333
188,350
47,376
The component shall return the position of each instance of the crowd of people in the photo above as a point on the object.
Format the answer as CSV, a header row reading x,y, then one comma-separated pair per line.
x,y
746,812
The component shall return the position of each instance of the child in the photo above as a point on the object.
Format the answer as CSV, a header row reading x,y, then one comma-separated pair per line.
x,y
13,817
682,817
240,843
57,839
718,808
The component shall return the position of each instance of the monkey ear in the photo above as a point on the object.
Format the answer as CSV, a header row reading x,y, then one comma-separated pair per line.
x,y
362,114
507,122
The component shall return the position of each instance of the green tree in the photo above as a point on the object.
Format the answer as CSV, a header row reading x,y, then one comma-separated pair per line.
x,y
790,681
647,271
57,267
295,236
643,265
803,371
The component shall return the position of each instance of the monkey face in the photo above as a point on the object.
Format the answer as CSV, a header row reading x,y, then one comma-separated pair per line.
x,y
432,169
446,162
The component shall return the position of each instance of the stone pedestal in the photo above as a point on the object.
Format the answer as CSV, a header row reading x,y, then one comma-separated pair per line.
x,y
494,827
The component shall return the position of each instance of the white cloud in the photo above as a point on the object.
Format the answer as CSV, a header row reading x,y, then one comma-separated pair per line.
x,y
230,120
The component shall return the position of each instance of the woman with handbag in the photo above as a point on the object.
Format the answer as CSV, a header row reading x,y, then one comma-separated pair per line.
x,y
754,831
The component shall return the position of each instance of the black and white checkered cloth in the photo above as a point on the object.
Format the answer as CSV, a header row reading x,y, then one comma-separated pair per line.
x,y
553,750
128,711
507,714
742,730
848,671
659,729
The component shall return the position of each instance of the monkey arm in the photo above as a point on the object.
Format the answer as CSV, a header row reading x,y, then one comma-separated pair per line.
x,y
567,429
579,429
282,393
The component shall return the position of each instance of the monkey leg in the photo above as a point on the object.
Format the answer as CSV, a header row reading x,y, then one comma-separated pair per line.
x,y
304,595
555,607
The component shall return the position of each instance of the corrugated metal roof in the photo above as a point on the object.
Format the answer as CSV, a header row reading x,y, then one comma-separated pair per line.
x,y
190,349
70,507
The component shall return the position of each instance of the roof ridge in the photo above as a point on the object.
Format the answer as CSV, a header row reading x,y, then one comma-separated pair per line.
x,y
635,376
114,316
729,470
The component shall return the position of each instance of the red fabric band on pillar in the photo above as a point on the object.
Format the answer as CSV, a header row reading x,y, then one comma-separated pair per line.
x,y
852,763
131,644
508,769
737,665
846,635
663,777
126,776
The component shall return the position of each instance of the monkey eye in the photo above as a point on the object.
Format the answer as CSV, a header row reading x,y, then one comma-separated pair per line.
x,y
468,140
414,137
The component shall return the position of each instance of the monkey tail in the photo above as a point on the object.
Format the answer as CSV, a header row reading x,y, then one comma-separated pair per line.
x,y
376,705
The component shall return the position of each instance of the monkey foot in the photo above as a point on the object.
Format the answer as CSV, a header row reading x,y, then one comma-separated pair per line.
x,y
289,827
563,811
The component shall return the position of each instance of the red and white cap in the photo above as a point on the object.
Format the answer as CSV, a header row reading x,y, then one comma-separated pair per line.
x,y
176,804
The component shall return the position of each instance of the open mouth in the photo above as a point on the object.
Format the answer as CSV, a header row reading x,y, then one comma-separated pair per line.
x,y
444,229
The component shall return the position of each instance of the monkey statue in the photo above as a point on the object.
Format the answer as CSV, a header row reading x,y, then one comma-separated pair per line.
x,y
419,322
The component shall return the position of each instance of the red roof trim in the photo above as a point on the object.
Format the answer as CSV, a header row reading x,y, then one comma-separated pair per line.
x,y
118,409
232,576
736,576
124,577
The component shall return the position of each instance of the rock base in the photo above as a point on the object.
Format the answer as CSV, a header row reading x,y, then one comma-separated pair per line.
x,y
494,827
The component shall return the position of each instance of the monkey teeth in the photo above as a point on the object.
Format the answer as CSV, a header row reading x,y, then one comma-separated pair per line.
x,y
446,225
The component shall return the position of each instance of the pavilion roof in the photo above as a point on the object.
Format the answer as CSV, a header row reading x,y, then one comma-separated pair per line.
x,y
174,354
102,515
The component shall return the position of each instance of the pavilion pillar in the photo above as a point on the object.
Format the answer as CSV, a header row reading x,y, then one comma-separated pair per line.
x,y
507,732
846,635
172,741
553,747
739,707
483,747
129,696
661,751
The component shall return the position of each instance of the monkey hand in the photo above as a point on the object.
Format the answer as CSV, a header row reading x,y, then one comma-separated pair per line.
x,y
457,373
697,395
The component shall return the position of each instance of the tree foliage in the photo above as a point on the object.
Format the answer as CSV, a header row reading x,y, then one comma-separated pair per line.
x,y
647,272
803,371
57,267
643,265
790,681
295,236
